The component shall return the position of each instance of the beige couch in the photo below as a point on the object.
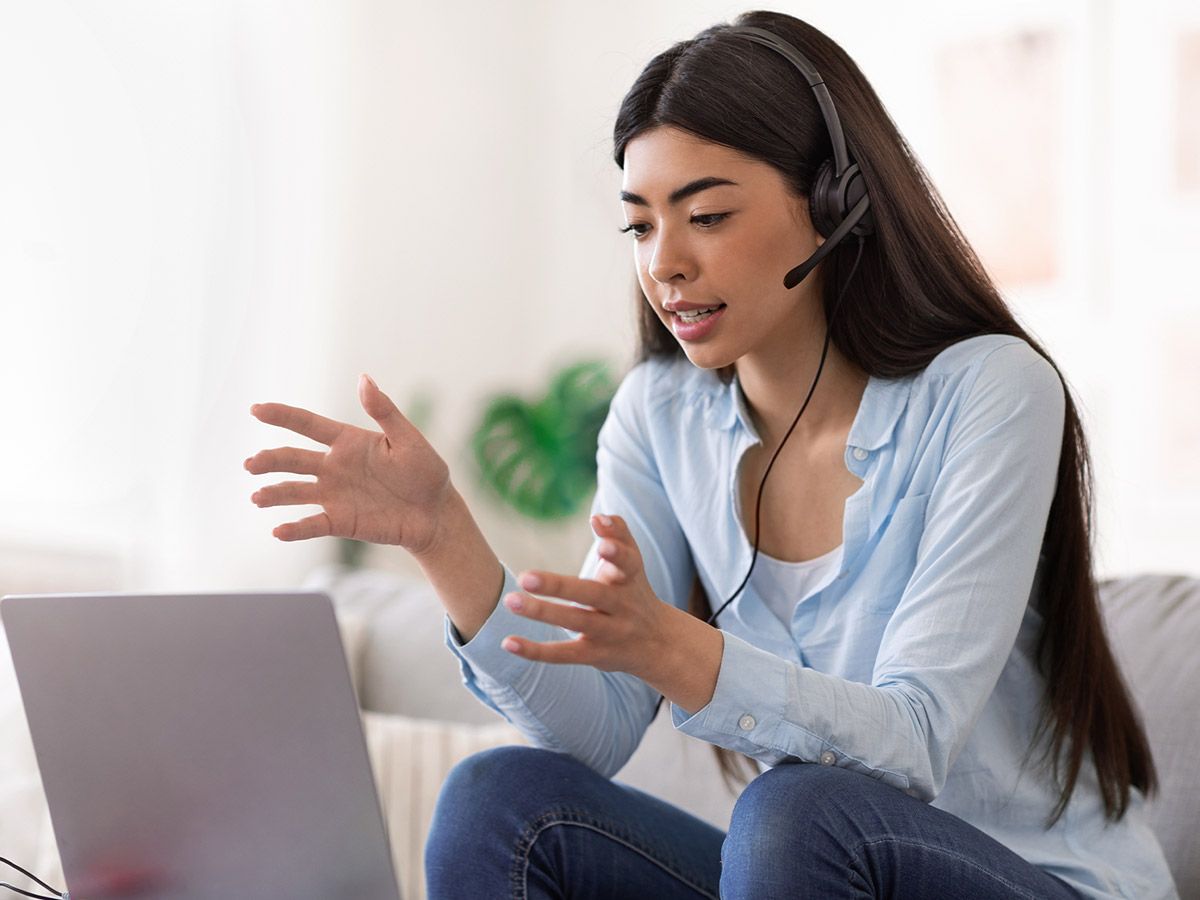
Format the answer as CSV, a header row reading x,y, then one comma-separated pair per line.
x,y
1153,620
419,720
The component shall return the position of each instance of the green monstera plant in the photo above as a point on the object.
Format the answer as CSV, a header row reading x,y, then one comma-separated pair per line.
x,y
540,458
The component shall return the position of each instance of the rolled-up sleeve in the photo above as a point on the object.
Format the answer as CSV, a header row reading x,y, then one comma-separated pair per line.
x,y
595,716
956,623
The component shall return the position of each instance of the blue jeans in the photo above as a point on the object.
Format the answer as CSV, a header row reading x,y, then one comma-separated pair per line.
x,y
522,822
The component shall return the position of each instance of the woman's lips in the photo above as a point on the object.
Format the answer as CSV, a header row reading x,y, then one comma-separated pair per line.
x,y
692,331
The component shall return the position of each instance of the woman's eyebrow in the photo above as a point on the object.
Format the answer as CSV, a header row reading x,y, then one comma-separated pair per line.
x,y
692,187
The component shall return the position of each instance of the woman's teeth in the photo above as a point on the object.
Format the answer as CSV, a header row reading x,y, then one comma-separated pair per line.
x,y
696,315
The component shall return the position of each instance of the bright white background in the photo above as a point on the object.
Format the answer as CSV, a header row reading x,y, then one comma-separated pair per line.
x,y
209,204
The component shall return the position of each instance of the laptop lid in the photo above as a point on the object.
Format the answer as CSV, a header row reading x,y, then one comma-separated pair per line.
x,y
200,745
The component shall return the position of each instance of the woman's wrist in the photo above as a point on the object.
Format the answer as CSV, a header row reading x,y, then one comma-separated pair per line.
x,y
450,520
686,671
462,567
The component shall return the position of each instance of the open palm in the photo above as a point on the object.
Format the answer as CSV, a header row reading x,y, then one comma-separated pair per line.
x,y
384,487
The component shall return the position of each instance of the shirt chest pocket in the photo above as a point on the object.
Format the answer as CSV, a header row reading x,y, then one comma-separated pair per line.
x,y
893,555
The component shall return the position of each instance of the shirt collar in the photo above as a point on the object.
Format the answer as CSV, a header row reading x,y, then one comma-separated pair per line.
x,y
882,403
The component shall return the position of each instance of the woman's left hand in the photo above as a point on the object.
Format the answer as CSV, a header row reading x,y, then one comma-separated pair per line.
x,y
626,627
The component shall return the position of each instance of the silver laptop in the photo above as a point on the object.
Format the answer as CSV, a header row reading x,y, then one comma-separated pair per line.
x,y
200,746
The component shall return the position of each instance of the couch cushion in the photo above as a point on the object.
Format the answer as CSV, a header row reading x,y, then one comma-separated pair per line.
x,y
1153,623
404,666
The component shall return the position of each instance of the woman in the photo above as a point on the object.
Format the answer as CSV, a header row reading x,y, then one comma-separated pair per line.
x,y
918,615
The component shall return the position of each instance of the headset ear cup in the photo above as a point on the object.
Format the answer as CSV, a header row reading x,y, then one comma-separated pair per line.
x,y
850,190
822,203
832,199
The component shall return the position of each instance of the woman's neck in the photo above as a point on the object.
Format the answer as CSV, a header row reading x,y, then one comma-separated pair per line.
x,y
775,393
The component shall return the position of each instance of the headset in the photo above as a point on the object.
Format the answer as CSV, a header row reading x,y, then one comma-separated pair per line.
x,y
839,206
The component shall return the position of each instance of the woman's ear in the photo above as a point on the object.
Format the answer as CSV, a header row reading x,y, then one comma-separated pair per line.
x,y
800,214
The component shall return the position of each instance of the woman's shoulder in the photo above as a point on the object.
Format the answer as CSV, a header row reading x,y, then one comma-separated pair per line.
x,y
987,381
987,360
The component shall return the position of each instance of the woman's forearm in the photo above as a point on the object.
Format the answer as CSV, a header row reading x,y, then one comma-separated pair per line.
x,y
463,569
468,578
686,671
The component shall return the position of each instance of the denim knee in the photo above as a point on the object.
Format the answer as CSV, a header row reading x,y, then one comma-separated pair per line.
x,y
791,811
505,783
477,796
779,795
494,777
489,799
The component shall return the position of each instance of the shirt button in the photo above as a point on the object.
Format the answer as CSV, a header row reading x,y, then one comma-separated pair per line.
x,y
860,453
746,722
828,758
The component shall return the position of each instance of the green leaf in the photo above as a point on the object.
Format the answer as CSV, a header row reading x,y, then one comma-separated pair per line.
x,y
540,458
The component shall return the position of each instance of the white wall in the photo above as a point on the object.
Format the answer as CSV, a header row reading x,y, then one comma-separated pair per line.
x,y
166,259
205,205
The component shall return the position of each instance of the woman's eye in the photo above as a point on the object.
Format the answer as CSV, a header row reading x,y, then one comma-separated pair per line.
x,y
708,220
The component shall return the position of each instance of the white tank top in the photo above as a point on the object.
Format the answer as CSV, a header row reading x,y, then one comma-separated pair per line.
x,y
784,584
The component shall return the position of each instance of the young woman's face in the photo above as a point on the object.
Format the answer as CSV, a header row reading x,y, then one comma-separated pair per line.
x,y
727,244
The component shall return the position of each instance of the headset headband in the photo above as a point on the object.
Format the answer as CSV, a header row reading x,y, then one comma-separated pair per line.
x,y
838,200
841,159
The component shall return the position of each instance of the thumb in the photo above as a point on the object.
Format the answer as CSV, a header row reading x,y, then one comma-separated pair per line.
x,y
380,408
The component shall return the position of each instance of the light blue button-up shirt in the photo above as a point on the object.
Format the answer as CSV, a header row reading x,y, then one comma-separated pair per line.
x,y
914,665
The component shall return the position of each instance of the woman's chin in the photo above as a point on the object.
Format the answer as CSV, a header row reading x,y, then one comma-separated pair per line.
x,y
704,357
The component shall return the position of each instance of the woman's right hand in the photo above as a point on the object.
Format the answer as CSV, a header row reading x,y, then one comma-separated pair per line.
x,y
386,488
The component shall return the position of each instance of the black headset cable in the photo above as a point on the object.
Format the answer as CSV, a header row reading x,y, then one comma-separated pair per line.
x,y
758,505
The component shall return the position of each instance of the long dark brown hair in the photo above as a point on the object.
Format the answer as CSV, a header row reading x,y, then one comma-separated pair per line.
x,y
919,288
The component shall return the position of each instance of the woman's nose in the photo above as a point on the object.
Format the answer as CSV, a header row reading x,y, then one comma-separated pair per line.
x,y
671,259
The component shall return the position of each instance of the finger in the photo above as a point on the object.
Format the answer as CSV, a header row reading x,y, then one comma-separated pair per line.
x,y
566,587
287,493
610,570
285,459
626,555
381,408
573,618
311,527
572,652
301,421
